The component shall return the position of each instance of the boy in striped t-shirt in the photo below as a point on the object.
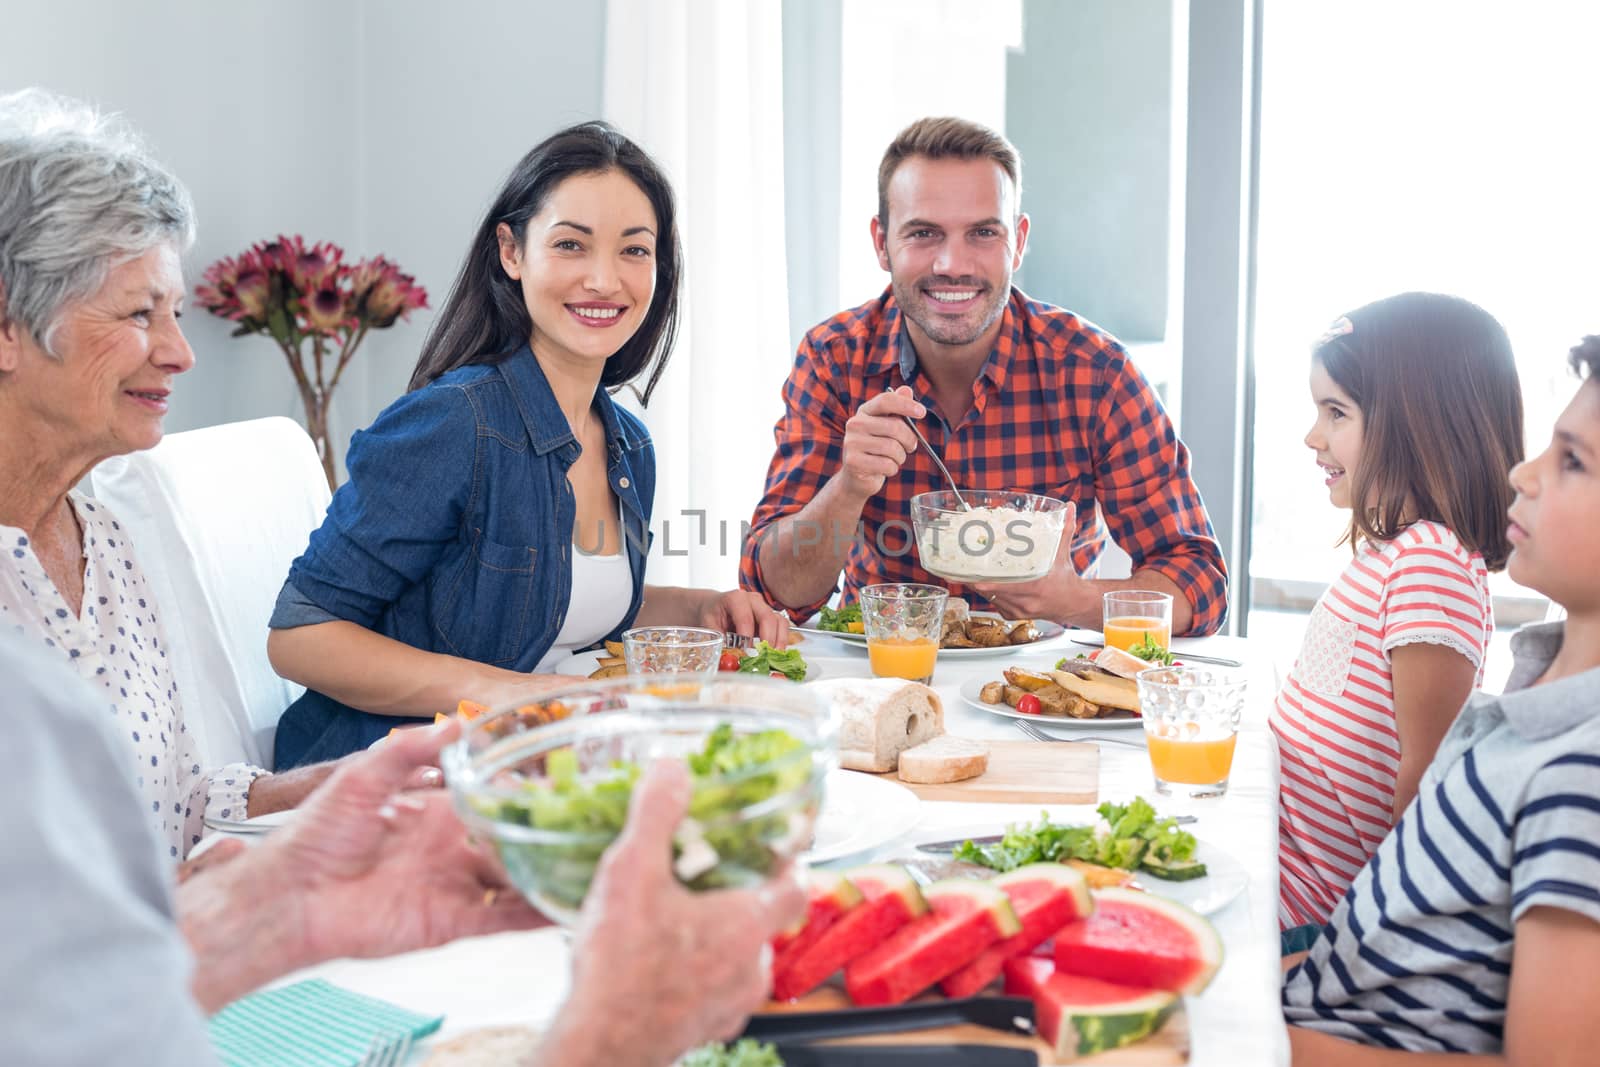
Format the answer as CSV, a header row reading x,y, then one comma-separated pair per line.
x,y
1475,928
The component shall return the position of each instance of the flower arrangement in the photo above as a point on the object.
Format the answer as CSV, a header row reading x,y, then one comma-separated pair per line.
x,y
316,307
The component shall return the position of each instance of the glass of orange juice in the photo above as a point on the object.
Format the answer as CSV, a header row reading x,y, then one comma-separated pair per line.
x,y
1191,724
904,623
1136,616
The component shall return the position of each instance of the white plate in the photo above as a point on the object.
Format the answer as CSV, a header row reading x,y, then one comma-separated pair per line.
x,y
583,664
1048,631
972,687
861,813
1224,880
261,824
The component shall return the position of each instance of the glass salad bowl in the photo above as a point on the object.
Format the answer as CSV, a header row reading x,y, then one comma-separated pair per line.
x,y
549,781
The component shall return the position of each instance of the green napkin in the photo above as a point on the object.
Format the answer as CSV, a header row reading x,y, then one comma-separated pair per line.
x,y
309,1024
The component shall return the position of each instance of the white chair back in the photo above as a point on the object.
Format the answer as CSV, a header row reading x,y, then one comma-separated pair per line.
x,y
216,516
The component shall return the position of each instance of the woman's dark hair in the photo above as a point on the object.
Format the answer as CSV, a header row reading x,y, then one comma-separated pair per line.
x,y
1441,412
485,319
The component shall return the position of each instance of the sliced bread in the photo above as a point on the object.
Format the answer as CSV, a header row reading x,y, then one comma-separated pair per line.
x,y
944,759
879,718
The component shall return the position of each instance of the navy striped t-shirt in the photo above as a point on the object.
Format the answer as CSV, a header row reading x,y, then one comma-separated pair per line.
x,y
1418,954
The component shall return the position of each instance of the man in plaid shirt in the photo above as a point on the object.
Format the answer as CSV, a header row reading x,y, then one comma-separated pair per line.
x,y
1013,394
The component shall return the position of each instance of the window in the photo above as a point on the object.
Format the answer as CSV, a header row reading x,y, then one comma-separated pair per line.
x,y
1427,145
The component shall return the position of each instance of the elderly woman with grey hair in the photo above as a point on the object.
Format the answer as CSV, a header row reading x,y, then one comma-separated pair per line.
x,y
92,230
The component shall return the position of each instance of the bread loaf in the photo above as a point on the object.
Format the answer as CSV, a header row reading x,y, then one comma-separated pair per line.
x,y
944,759
879,718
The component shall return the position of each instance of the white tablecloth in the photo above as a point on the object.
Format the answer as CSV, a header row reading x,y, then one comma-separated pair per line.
x,y
522,978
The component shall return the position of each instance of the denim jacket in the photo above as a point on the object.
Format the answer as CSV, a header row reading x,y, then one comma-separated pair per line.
x,y
454,533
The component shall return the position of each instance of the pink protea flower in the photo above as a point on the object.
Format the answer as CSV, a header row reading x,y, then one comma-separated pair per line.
x,y
251,292
325,310
385,294
293,292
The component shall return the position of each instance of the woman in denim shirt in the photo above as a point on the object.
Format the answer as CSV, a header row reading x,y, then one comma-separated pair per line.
x,y
506,477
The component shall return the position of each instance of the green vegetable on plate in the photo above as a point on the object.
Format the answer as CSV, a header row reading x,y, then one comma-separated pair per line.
x,y
1129,837
839,620
787,662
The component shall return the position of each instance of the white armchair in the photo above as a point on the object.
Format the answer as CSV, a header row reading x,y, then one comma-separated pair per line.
x,y
216,516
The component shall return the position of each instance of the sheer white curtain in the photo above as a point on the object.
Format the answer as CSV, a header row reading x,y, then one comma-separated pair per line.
x,y
699,84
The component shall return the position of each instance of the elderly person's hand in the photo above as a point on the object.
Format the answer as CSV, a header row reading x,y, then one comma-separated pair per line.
x,y
658,969
364,870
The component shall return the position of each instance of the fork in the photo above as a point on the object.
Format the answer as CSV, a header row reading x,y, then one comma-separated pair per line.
x,y
731,639
390,1051
1039,735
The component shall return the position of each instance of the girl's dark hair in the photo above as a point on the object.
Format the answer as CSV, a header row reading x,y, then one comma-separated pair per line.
x,y
1584,359
485,319
1441,412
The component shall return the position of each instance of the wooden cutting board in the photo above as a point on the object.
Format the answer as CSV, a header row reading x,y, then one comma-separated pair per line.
x,y
1025,772
1167,1047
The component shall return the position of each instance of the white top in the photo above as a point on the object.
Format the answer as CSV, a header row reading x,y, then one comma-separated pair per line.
x,y
119,647
602,589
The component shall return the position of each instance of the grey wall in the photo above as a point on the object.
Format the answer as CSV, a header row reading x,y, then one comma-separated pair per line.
x,y
383,126
1088,104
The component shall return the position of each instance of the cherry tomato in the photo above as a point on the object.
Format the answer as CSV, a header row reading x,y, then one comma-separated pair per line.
x,y
729,660
779,674
1029,704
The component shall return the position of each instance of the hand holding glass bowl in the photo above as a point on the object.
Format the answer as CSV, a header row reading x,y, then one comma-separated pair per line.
x,y
1191,725
552,796
903,624
1004,537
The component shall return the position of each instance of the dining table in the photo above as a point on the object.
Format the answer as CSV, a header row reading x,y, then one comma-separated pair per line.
x,y
521,978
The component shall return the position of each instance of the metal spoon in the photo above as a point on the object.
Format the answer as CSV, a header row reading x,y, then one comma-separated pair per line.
x,y
937,462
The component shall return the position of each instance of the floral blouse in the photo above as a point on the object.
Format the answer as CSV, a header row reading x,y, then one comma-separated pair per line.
x,y
117,645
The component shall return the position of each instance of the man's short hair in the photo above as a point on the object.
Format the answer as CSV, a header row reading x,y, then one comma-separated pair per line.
x,y
1585,357
947,138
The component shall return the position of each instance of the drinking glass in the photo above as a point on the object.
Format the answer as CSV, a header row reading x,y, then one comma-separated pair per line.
x,y
672,650
1135,616
904,623
1191,724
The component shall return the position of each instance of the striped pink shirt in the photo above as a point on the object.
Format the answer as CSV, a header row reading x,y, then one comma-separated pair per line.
x,y
1334,717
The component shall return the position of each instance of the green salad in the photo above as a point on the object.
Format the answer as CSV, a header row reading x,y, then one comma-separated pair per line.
x,y
839,620
745,1053
712,848
766,659
1128,836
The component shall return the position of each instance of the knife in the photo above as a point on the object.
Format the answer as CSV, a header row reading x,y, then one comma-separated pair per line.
x,y
813,631
1178,653
906,1056
995,839
1010,1014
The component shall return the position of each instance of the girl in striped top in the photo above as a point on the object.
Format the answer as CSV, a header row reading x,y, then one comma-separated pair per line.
x,y
1471,936
1419,421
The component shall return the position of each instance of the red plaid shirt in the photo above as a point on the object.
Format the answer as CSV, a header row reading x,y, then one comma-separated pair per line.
x,y
1058,409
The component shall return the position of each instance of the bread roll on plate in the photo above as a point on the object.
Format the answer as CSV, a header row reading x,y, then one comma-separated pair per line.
x,y
879,718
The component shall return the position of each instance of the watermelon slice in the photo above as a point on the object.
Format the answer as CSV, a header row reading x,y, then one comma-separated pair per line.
x,y
892,899
967,917
1138,939
1080,1016
1046,897
831,896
